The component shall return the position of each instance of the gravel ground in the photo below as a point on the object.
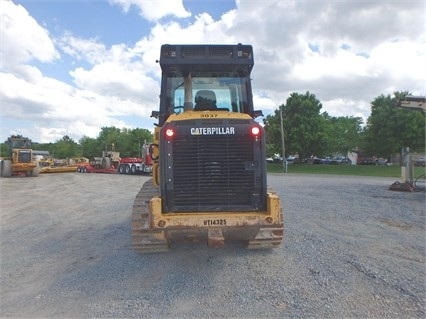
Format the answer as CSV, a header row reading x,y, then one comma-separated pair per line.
x,y
352,249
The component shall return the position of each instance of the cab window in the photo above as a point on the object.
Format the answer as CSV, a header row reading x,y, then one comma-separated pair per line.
x,y
185,93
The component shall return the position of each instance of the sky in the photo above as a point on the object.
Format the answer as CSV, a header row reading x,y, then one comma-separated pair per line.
x,y
73,67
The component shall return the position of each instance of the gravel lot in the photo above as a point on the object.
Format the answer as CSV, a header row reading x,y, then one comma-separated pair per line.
x,y
352,249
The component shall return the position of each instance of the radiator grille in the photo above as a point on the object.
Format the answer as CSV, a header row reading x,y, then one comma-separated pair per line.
x,y
213,173
24,156
209,51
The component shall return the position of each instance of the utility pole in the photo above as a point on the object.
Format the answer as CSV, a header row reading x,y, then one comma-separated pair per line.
x,y
282,140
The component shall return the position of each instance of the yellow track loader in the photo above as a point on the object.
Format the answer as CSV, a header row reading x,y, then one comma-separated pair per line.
x,y
20,159
209,174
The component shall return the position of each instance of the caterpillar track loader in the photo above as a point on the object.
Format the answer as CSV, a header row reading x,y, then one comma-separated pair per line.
x,y
209,172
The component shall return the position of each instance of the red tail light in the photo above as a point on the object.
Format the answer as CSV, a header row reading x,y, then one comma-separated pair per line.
x,y
170,133
255,130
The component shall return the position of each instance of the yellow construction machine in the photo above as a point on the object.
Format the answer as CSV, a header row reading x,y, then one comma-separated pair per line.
x,y
209,174
19,159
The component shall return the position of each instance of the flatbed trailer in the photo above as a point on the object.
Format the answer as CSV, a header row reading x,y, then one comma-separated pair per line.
x,y
88,168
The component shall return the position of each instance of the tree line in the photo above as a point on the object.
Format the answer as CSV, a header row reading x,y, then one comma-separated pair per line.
x,y
307,132
126,141
310,132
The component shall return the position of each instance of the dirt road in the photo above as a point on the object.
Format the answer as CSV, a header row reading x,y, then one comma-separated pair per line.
x,y
352,249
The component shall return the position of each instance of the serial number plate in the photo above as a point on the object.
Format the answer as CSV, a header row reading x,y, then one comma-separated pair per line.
x,y
208,115
215,222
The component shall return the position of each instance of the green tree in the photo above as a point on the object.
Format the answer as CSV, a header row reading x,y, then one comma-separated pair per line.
x,y
90,147
50,147
65,148
390,128
109,136
137,138
303,126
342,134
3,150
126,141
273,133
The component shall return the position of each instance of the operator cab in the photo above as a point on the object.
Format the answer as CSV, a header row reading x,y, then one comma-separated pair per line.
x,y
207,92
205,78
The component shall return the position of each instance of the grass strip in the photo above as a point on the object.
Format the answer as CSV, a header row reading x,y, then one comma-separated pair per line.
x,y
357,170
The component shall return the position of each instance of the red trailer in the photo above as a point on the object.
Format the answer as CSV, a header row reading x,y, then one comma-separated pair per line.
x,y
111,163
93,167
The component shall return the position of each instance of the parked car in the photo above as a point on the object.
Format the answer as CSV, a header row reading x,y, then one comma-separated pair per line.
x,y
278,159
381,161
327,160
297,160
274,159
293,160
367,160
340,160
315,160
420,161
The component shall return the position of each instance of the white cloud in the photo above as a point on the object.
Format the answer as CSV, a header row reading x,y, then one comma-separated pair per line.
x,y
154,10
23,39
57,109
364,49
82,49
345,107
345,52
401,59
